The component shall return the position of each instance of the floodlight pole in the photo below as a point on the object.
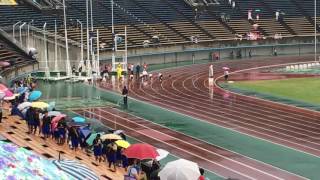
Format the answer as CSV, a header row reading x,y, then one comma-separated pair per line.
x,y
68,68
28,34
55,47
88,46
315,30
20,27
113,40
46,70
91,16
81,28
98,54
13,29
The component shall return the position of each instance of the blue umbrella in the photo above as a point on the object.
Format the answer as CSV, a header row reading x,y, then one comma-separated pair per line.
x,y
85,132
35,95
22,90
77,124
78,119
75,169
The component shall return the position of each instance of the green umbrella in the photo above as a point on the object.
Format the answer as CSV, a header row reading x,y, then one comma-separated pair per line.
x,y
89,141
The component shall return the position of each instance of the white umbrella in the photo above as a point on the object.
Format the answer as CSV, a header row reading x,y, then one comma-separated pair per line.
x,y
118,132
180,169
2,95
54,113
24,105
162,154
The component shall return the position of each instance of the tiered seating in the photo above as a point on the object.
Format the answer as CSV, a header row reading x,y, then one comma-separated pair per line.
x,y
13,56
15,130
300,25
172,21
205,21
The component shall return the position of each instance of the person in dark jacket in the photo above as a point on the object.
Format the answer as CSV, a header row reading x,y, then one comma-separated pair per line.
x,y
29,119
138,71
125,96
46,121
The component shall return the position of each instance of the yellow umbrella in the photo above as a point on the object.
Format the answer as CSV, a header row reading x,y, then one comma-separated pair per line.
x,y
40,105
111,137
123,143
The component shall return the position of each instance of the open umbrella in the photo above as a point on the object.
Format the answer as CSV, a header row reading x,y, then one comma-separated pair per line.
x,y
78,119
111,137
75,169
4,64
40,105
123,143
8,93
2,94
9,98
24,105
35,95
180,169
54,113
21,90
51,106
55,120
85,132
76,124
141,151
3,87
118,132
20,163
90,139
162,154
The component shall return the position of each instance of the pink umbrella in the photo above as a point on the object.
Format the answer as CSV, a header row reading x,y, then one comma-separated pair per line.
x,y
8,93
4,64
225,68
3,87
55,121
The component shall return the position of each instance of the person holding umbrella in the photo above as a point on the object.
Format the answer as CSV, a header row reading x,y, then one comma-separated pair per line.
x,y
112,154
46,121
97,148
74,137
134,172
29,119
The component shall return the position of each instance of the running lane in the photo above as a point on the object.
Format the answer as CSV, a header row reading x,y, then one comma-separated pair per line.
x,y
223,162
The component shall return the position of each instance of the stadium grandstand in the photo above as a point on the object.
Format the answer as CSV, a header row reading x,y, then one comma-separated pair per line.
x,y
159,89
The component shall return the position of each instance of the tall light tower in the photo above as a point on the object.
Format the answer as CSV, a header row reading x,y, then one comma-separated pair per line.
x,y
113,41
315,30
81,29
88,46
68,68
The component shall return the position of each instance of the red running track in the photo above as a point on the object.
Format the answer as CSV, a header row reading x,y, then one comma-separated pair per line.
x,y
187,92
223,162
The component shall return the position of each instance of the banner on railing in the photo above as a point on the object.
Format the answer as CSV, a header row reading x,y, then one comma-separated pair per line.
x,y
8,2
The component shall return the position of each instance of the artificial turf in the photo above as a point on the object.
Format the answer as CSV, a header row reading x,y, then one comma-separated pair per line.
x,y
299,89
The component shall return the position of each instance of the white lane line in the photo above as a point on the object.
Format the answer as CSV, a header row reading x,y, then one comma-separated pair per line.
x,y
200,140
139,132
198,147
196,110
292,108
241,111
195,118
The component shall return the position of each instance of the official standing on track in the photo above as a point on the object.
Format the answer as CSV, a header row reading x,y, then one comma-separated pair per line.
x,y
125,96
